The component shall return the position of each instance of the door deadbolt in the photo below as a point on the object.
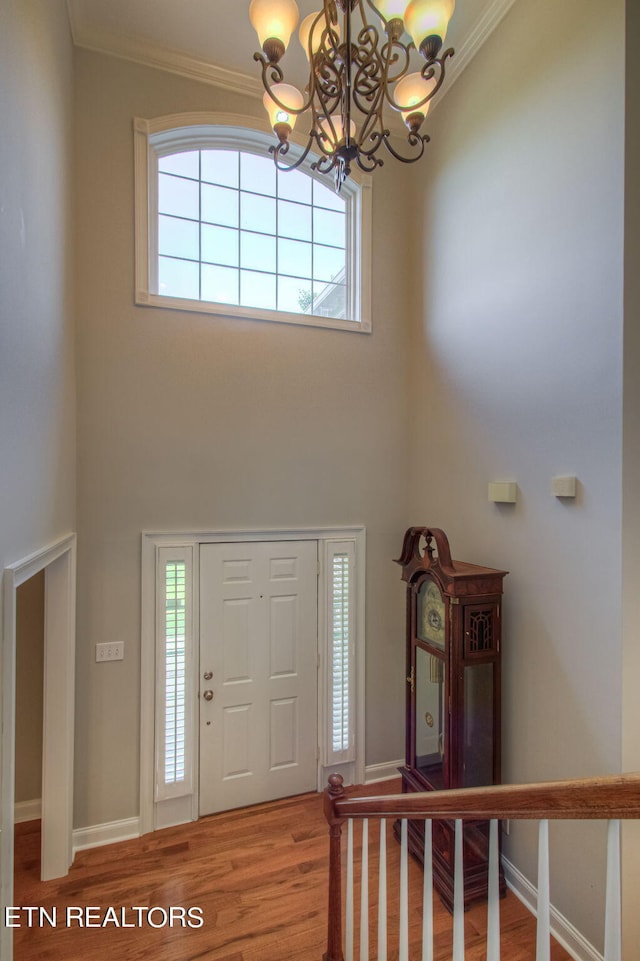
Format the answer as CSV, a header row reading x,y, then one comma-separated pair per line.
x,y
208,695
208,675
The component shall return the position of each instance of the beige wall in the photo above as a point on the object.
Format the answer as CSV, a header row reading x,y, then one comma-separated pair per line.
x,y
37,491
37,390
29,687
631,476
195,422
37,387
516,374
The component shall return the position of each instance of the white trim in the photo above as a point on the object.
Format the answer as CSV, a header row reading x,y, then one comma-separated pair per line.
x,y
152,542
151,54
186,65
27,811
161,135
58,560
562,930
110,833
385,771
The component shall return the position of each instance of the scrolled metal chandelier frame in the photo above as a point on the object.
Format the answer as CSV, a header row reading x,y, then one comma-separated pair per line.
x,y
358,65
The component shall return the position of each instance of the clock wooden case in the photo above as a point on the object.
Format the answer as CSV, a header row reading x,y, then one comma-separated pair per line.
x,y
453,695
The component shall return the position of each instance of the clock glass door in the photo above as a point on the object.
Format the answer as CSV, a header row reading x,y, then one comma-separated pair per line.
x,y
478,725
429,738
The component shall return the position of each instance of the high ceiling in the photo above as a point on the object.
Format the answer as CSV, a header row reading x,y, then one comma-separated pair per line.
x,y
213,40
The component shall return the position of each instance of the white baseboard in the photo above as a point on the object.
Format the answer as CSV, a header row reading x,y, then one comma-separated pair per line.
x,y
100,834
382,772
27,810
561,929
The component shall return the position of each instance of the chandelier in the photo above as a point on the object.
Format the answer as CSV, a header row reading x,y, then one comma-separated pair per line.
x,y
360,64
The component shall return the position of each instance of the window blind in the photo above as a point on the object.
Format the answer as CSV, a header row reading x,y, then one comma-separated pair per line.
x,y
341,675
173,658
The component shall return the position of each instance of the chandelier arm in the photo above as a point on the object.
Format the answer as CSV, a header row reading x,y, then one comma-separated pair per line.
x,y
373,125
404,61
371,166
369,86
282,149
346,89
414,140
325,164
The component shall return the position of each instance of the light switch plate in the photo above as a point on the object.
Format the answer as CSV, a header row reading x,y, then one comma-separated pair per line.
x,y
111,651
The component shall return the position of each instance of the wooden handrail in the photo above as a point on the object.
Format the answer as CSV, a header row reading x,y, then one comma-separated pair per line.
x,y
605,798
613,797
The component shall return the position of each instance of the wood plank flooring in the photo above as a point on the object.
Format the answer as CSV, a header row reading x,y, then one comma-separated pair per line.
x,y
259,876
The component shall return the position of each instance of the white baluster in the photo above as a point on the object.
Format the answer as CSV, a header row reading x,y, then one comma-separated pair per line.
x,y
427,896
458,896
382,894
493,910
403,954
364,893
543,944
348,946
612,924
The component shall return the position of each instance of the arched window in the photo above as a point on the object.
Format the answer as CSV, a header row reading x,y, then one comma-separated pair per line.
x,y
219,229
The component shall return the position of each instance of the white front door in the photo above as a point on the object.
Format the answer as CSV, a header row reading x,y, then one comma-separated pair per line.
x,y
258,672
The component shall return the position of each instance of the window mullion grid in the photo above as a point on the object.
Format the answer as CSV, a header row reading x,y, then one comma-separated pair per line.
x,y
280,269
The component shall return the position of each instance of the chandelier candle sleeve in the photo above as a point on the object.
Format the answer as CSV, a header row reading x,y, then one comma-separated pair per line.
x,y
282,104
412,95
362,65
427,22
313,28
274,21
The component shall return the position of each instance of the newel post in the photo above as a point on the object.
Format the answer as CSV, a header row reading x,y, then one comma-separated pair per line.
x,y
332,793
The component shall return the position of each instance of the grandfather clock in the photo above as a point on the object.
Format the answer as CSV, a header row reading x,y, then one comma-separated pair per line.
x,y
453,695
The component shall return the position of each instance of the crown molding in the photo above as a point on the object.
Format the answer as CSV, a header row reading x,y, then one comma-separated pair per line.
x,y
473,41
165,58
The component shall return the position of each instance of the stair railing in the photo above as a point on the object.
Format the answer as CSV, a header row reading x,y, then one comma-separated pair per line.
x,y
611,799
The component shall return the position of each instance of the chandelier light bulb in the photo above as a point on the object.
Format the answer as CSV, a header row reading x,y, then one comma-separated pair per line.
x,y
425,19
412,90
282,119
304,33
274,21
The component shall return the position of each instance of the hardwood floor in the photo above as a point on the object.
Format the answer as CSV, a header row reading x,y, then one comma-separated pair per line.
x,y
258,875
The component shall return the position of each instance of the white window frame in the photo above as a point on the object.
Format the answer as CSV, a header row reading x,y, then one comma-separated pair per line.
x,y
158,810
194,131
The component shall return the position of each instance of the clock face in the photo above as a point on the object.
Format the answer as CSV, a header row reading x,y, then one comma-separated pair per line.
x,y
431,614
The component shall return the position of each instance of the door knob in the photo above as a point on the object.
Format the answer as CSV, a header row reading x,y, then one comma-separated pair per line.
x,y
208,695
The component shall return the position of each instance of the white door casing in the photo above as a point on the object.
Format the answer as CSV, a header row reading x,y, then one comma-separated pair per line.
x,y
58,561
159,808
258,640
